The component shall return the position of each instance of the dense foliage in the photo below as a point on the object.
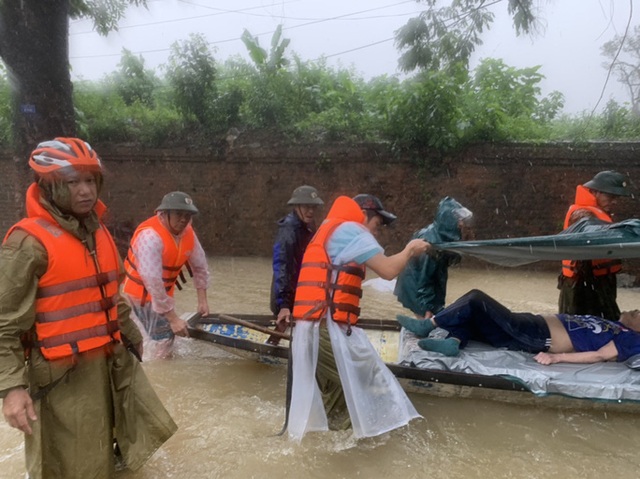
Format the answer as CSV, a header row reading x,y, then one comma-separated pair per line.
x,y
445,34
196,99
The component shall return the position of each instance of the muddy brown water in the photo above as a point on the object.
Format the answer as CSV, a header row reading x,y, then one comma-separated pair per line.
x,y
228,409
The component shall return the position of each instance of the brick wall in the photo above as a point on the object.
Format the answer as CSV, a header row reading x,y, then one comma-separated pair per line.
x,y
514,190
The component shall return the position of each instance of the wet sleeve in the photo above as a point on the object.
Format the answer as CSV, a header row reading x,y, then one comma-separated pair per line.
x,y
283,267
127,325
628,344
148,250
199,266
23,260
428,284
418,286
352,242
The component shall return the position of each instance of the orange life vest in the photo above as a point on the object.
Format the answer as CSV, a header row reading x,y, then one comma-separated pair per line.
x,y
175,255
585,200
317,289
77,296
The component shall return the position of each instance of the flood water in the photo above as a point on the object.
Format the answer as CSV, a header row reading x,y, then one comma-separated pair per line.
x,y
228,409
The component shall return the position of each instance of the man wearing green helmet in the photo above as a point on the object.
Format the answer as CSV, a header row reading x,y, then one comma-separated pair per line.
x,y
160,247
590,287
295,230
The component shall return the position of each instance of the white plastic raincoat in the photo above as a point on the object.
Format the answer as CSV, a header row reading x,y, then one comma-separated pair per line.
x,y
374,397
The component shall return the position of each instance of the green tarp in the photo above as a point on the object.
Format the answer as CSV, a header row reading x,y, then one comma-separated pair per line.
x,y
587,239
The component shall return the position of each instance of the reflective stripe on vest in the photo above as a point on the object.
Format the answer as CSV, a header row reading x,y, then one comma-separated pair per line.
x,y
175,255
76,300
316,292
599,267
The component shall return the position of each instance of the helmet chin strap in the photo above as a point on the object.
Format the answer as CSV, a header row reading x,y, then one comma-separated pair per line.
x,y
58,194
172,230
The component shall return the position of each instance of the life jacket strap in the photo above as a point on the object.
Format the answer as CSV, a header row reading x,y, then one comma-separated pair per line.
x,y
349,269
103,304
347,308
97,280
318,306
345,288
75,337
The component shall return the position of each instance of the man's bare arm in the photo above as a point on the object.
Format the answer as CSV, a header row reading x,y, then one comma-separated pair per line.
x,y
388,267
608,352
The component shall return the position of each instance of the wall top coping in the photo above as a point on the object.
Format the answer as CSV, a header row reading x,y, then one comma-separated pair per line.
x,y
263,152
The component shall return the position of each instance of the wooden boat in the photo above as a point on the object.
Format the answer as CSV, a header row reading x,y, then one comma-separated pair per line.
x,y
245,335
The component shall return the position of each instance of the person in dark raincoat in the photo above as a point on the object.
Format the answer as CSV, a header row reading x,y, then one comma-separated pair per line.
x,y
66,378
295,230
422,285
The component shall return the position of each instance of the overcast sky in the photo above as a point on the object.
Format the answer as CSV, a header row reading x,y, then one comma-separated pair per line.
x,y
359,34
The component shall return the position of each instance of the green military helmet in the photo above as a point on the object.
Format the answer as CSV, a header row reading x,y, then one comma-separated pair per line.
x,y
610,182
305,195
177,200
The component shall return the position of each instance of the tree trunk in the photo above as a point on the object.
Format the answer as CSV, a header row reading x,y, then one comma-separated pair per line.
x,y
34,44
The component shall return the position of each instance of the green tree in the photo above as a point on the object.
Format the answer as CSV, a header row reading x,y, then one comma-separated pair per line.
x,y
625,55
503,103
34,45
443,36
615,123
267,62
101,112
270,84
445,110
426,111
103,116
133,82
192,75
331,103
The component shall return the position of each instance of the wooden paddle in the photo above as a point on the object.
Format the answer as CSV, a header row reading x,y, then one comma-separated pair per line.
x,y
257,327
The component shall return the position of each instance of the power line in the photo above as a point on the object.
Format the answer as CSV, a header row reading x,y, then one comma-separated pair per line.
x,y
312,22
358,48
245,11
310,19
613,61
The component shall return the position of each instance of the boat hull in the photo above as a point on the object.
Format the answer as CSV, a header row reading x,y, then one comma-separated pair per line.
x,y
242,341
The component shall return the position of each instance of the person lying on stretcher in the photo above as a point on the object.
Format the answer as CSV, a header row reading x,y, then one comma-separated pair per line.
x,y
554,338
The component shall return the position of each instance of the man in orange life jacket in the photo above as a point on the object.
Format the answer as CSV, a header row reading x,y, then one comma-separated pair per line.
x,y
327,344
590,287
61,311
160,247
